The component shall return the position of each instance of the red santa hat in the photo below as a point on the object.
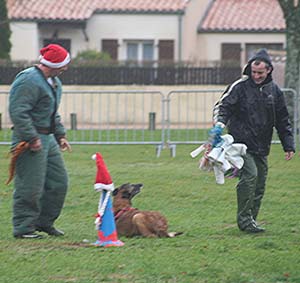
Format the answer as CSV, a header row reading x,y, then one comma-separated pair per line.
x,y
103,179
54,56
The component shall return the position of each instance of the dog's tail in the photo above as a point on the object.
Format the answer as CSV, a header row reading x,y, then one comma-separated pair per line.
x,y
174,234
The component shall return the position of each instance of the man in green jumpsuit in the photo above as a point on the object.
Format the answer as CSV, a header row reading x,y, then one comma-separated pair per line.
x,y
41,179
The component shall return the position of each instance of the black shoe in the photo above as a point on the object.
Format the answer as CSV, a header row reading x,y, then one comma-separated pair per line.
x,y
50,231
31,235
252,229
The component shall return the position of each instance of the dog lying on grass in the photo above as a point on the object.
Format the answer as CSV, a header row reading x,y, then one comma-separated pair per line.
x,y
134,222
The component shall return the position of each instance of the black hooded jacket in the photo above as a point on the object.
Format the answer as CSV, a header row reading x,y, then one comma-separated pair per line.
x,y
250,111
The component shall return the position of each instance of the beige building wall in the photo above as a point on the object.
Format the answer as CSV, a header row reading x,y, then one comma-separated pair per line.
x,y
192,17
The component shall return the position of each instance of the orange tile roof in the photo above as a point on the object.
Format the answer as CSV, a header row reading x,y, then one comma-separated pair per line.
x,y
243,15
142,5
81,10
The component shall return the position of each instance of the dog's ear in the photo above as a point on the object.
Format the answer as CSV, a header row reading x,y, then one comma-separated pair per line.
x,y
115,192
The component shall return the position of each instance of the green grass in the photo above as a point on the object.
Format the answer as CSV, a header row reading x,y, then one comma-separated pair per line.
x,y
211,249
126,135
123,136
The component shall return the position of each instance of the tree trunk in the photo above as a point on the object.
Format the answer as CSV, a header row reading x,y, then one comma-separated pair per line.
x,y
291,10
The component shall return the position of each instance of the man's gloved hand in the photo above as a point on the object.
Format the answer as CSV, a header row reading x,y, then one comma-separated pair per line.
x,y
214,135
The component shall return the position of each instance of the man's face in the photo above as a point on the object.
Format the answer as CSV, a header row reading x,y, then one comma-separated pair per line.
x,y
259,72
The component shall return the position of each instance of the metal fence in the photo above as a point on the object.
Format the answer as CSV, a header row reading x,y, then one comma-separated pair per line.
x,y
139,117
128,75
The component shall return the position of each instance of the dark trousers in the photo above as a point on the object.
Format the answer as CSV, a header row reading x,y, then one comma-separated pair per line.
x,y
251,188
40,187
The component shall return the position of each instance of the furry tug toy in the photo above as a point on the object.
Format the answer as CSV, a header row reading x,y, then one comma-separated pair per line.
x,y
224,158
15,153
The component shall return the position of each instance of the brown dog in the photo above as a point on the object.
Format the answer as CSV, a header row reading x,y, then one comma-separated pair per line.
x,y
133,222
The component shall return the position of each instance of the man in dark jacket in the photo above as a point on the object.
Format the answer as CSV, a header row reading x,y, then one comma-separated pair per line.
x,y
250,108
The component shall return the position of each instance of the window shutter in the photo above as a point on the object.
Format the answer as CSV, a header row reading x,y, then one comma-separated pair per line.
x,y
166,50
231,53
110,46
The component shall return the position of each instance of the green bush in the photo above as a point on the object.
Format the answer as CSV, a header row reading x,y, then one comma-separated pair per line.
x,y
91,57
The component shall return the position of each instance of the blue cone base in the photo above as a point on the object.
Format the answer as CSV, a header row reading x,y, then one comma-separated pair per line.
x,y
109,243
107,232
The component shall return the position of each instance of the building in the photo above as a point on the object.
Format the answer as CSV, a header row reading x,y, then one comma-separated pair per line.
x,y
148,30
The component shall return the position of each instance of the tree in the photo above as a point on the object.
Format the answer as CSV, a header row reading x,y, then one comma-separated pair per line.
x,y
291,12
5,32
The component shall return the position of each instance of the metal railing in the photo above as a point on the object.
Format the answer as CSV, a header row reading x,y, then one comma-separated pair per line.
x,y
139,117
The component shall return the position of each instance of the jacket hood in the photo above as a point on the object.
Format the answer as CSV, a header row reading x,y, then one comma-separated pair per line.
x,y
263,55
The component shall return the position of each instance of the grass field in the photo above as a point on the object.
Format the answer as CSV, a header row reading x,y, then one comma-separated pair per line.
x,y
211,249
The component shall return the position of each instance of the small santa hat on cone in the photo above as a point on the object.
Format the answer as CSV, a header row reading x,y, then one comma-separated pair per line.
x,y
54,56
103,178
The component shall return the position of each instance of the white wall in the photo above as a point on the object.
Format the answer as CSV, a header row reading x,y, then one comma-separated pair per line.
x,y
132,27
24,39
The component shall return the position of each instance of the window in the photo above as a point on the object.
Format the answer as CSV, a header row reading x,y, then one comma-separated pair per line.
x,y
140,51
132,52
251,49
148,51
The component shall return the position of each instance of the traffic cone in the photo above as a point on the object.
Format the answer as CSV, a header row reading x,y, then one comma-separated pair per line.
x,y
105,222
107,233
